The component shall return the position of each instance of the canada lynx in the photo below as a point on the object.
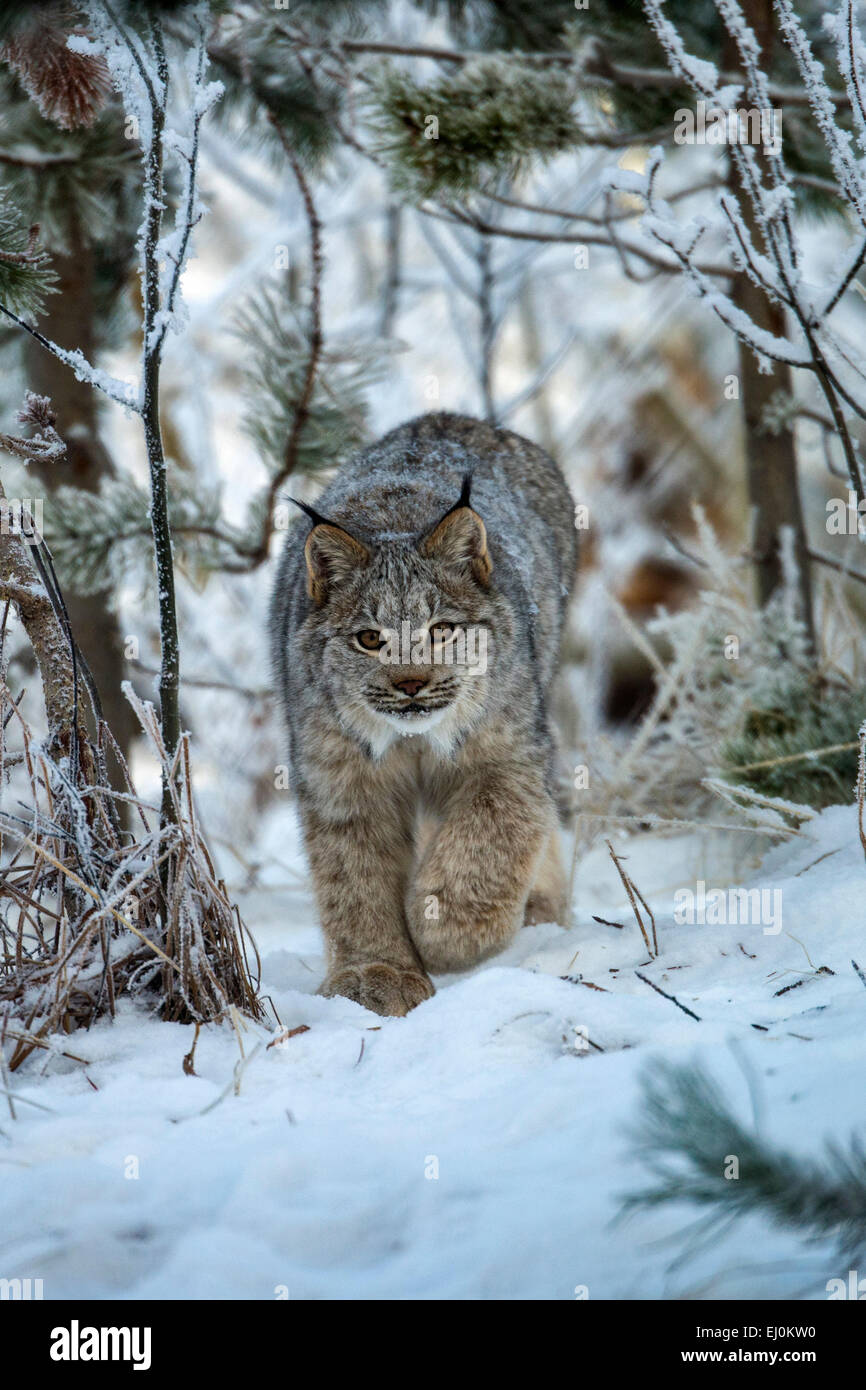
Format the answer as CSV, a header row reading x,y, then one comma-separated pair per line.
x,y
415,623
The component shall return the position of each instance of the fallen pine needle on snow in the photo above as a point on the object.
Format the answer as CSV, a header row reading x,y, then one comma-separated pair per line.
x,y
664,995
786,989
288,1033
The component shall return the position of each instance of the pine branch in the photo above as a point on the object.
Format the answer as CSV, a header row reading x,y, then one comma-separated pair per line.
x,y
493,118
688,1134
451,212
39,162
592,62
264,74
81,186
283,356
122,392
106,537
26,277
69,88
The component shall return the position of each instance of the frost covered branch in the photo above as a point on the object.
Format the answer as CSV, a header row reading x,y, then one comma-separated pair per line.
x,y
122,392
755,217
139,70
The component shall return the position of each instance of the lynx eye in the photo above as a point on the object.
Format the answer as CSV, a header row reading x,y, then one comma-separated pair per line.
x,y
443,632
370,639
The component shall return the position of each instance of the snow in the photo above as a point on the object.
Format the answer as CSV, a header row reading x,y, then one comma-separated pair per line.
x,y
317,1180
123,392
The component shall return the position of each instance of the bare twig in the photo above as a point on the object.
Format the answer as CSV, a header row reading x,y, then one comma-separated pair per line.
x,y
259,553
634,894
810,755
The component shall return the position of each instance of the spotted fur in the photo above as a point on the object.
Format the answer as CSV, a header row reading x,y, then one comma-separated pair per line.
x,y
429,818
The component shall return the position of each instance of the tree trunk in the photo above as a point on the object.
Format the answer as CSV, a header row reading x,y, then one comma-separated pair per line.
x,y
70,323
487,330
393,268
771,460
20,584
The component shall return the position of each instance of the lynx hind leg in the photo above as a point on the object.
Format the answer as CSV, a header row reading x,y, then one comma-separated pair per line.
x,y
548,896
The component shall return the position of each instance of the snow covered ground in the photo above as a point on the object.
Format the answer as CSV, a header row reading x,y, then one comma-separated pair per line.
x,y
476,1149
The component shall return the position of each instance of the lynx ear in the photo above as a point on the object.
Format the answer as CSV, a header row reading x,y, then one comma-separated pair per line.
x,y
331,555
460,538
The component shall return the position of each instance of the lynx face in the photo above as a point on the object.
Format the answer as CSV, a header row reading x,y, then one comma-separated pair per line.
x,y
406,632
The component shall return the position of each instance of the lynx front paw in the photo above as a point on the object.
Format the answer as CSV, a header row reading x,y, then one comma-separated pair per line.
x,y
386,989
457,942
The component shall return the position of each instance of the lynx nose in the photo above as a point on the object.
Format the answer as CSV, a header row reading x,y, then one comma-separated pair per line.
x,y
410,687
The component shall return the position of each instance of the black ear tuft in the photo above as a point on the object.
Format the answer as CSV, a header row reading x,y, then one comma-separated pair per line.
x,y
316,517
459,538
463,499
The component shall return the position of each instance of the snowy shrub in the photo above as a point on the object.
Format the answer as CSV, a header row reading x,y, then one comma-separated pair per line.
x,y
735,685
91,912
753,700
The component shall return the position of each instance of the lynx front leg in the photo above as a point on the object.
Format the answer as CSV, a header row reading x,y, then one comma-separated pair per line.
x,y
472,885
359,861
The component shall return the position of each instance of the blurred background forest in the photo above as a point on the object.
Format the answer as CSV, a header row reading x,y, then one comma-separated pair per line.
x,y
440,205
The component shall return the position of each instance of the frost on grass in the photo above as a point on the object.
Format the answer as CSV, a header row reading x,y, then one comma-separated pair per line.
x,y
743,715
94,913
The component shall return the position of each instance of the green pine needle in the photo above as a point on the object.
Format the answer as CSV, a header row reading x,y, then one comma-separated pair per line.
x,y
26,277
493,117
274,372
687,1135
